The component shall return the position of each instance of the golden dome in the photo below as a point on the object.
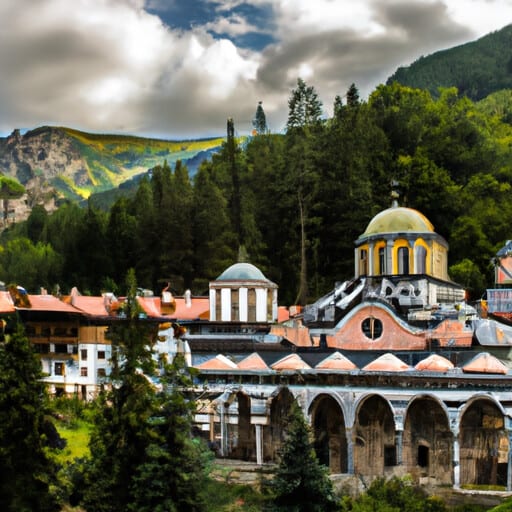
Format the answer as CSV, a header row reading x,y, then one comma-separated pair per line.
x,y
398,219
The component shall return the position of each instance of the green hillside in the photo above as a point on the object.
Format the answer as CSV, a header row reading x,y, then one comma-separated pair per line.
x,y
113,159
71,164
477,69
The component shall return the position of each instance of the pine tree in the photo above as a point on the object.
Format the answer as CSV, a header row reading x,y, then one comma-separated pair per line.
x,y
142,454
304,107
301,483
26,472
260,121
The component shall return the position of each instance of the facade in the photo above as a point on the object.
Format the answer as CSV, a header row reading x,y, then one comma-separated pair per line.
x,y
394,371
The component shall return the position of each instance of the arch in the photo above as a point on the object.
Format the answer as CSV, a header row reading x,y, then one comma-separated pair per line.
x,y
401,257
374,436
483,443
244,440
428,440
379,258
421,251
280,405
363,261
330,439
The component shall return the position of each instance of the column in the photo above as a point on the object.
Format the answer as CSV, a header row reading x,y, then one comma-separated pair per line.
x,y
509,461
350,451
399,443
259,444
371,259
389,257
456,460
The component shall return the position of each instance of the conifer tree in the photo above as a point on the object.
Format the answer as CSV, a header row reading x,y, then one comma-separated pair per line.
x,y
142,454
260,120
27,474
301,483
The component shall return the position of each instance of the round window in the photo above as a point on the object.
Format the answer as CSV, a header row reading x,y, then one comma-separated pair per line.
x,y
372,328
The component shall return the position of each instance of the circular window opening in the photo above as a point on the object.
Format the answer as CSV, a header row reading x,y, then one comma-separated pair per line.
x,y
372,328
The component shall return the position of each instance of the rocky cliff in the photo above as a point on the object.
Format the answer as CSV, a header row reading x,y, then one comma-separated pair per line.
x,y
55,163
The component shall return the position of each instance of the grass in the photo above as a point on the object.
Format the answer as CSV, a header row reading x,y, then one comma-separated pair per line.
x,y
76,433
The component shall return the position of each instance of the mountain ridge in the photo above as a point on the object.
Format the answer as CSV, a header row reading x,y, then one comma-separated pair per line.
x,y
477,68
55,162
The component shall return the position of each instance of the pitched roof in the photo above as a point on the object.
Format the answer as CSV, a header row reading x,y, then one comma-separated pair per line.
x,y
6,305
485,363
387,363
50,303
336,361
252,362
93,306
219,362
434,363
290,362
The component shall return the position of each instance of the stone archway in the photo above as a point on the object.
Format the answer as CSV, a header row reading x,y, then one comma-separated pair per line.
x,y
274,433
374,437
245,445
328,424
428,441
483,445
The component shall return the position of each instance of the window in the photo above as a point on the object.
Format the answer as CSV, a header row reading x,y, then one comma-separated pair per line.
x,y
102,372
41,348
61,348
382,261
421,260
423,456
389,455
101,354
403,261
58,369
363,262
372,328
83,354
83,371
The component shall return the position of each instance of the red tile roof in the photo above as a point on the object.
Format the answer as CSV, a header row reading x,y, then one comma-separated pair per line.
x,y
387,363
290,362
219,362
50,303
93,306
336,361
253,362
6,305
198,307
434,363
485,363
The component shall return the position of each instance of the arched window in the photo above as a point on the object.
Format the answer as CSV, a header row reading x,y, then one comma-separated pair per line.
x,y
363,262
382,261
421,259
403,260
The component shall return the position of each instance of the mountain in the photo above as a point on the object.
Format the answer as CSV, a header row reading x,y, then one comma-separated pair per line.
x,y
62,163
477,69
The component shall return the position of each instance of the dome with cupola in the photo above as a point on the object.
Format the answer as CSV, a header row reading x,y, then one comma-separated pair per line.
x,y
242,271
401,241
242,293
399,219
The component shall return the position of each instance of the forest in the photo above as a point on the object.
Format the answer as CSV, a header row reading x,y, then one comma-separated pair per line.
x,y
291,203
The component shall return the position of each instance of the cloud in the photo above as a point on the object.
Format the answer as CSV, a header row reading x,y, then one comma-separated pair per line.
x,y
174,69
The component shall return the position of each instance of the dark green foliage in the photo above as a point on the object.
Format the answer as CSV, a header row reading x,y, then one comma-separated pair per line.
x,y
301,483
476,69
27,474
143,457
293,204
260,121
304,106
394,495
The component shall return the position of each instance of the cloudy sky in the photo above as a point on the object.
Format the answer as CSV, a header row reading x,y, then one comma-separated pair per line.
x,y
180,68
